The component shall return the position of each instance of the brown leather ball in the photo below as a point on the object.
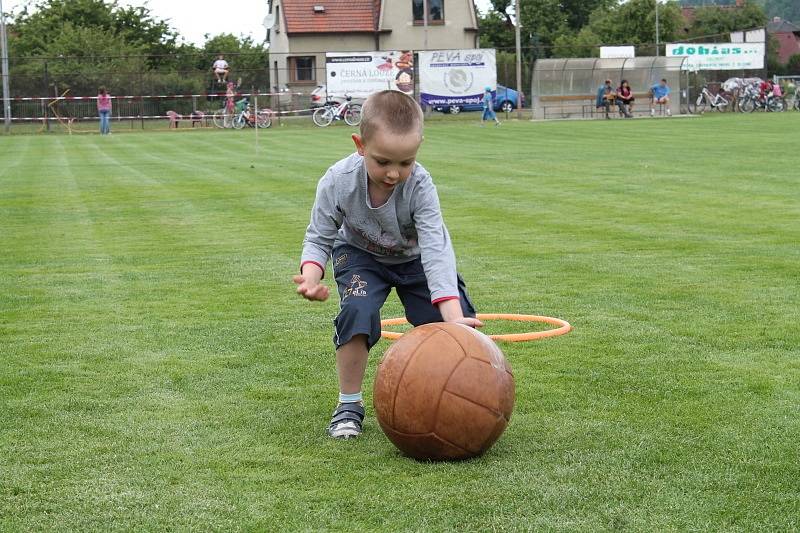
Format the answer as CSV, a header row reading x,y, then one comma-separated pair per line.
x,y
443,391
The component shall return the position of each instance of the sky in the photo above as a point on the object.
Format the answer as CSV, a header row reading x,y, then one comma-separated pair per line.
x,y
194,19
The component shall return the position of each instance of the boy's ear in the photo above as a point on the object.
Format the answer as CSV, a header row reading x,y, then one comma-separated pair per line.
x,y
359,142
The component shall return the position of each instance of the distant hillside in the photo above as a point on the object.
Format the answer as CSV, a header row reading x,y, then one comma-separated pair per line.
x,y
785,9
702,3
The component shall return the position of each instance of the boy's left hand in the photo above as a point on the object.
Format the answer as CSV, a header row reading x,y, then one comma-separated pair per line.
x,y
451,312
468,321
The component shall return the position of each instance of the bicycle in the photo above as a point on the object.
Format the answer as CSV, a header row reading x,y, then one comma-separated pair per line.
x,y
796,103
753,100
706,98
246,117
347,111
223,118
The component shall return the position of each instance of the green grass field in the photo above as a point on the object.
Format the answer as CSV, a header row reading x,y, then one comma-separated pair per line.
x,y
160,373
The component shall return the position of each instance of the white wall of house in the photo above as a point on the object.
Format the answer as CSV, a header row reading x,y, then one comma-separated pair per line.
x,y
459,30
291,55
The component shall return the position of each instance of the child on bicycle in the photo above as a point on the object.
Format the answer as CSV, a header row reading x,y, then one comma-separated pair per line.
x,y
377,216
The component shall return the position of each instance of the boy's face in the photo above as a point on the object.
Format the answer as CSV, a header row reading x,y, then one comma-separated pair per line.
x,y
389,157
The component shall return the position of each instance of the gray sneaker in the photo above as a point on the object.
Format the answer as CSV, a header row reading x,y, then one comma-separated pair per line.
x,y
346,420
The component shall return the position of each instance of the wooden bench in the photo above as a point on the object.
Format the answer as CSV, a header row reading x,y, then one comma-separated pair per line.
x,y
587,102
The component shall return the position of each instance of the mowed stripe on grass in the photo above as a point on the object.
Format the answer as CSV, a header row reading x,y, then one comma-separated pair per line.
x,y
160,372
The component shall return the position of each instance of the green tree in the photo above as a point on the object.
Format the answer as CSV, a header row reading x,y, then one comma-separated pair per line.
x,y
138,26
713,21
793,65
247,60
496,31
543,21
585,43
85,43
38,25
634,23
774,65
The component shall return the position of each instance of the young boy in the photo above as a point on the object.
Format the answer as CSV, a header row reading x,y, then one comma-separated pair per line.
x,y
377,215
488,107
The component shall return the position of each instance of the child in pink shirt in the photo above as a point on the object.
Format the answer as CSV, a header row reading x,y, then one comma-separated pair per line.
x,y
104,109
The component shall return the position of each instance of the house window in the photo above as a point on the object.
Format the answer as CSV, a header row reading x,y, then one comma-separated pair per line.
x,y
277,19
435,11
301,69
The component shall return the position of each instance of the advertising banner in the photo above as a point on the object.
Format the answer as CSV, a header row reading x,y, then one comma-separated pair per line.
x,y
617,52
360,74
724,56
452,77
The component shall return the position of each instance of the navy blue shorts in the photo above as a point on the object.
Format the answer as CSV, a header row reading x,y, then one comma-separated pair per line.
x,y
364,284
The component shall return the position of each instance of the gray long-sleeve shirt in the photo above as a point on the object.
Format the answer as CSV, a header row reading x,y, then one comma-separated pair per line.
x,y
409,225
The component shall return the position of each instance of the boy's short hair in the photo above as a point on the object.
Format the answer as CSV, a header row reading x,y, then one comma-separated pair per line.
x,y
395,111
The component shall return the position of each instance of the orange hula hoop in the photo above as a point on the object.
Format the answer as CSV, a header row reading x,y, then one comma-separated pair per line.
x,y
563,327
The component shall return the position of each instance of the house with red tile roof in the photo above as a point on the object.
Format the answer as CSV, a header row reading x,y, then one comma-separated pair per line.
x,y
304,30
788,37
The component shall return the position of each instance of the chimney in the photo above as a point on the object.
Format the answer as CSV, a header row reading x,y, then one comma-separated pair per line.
x,y
739,3
776,19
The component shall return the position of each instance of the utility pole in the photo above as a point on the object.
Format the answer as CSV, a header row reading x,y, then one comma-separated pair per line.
x,y
425,21
657,29
4,56
519,58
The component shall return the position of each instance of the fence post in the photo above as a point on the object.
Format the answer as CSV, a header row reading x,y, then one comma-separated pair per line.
x,y
505,78
277,88
255,115
141,100
45,109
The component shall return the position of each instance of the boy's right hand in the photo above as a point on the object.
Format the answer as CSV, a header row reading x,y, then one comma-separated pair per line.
x,y
311,289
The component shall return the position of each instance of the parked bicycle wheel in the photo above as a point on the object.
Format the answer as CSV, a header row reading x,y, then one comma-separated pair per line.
x,y
228,119
239,121
777,105
722,105
323,116
264,118
219,118
353,115
699,105
747,105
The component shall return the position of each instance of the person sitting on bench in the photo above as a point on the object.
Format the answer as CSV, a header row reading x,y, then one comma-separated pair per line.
x,y
606,97
625,99
659,94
